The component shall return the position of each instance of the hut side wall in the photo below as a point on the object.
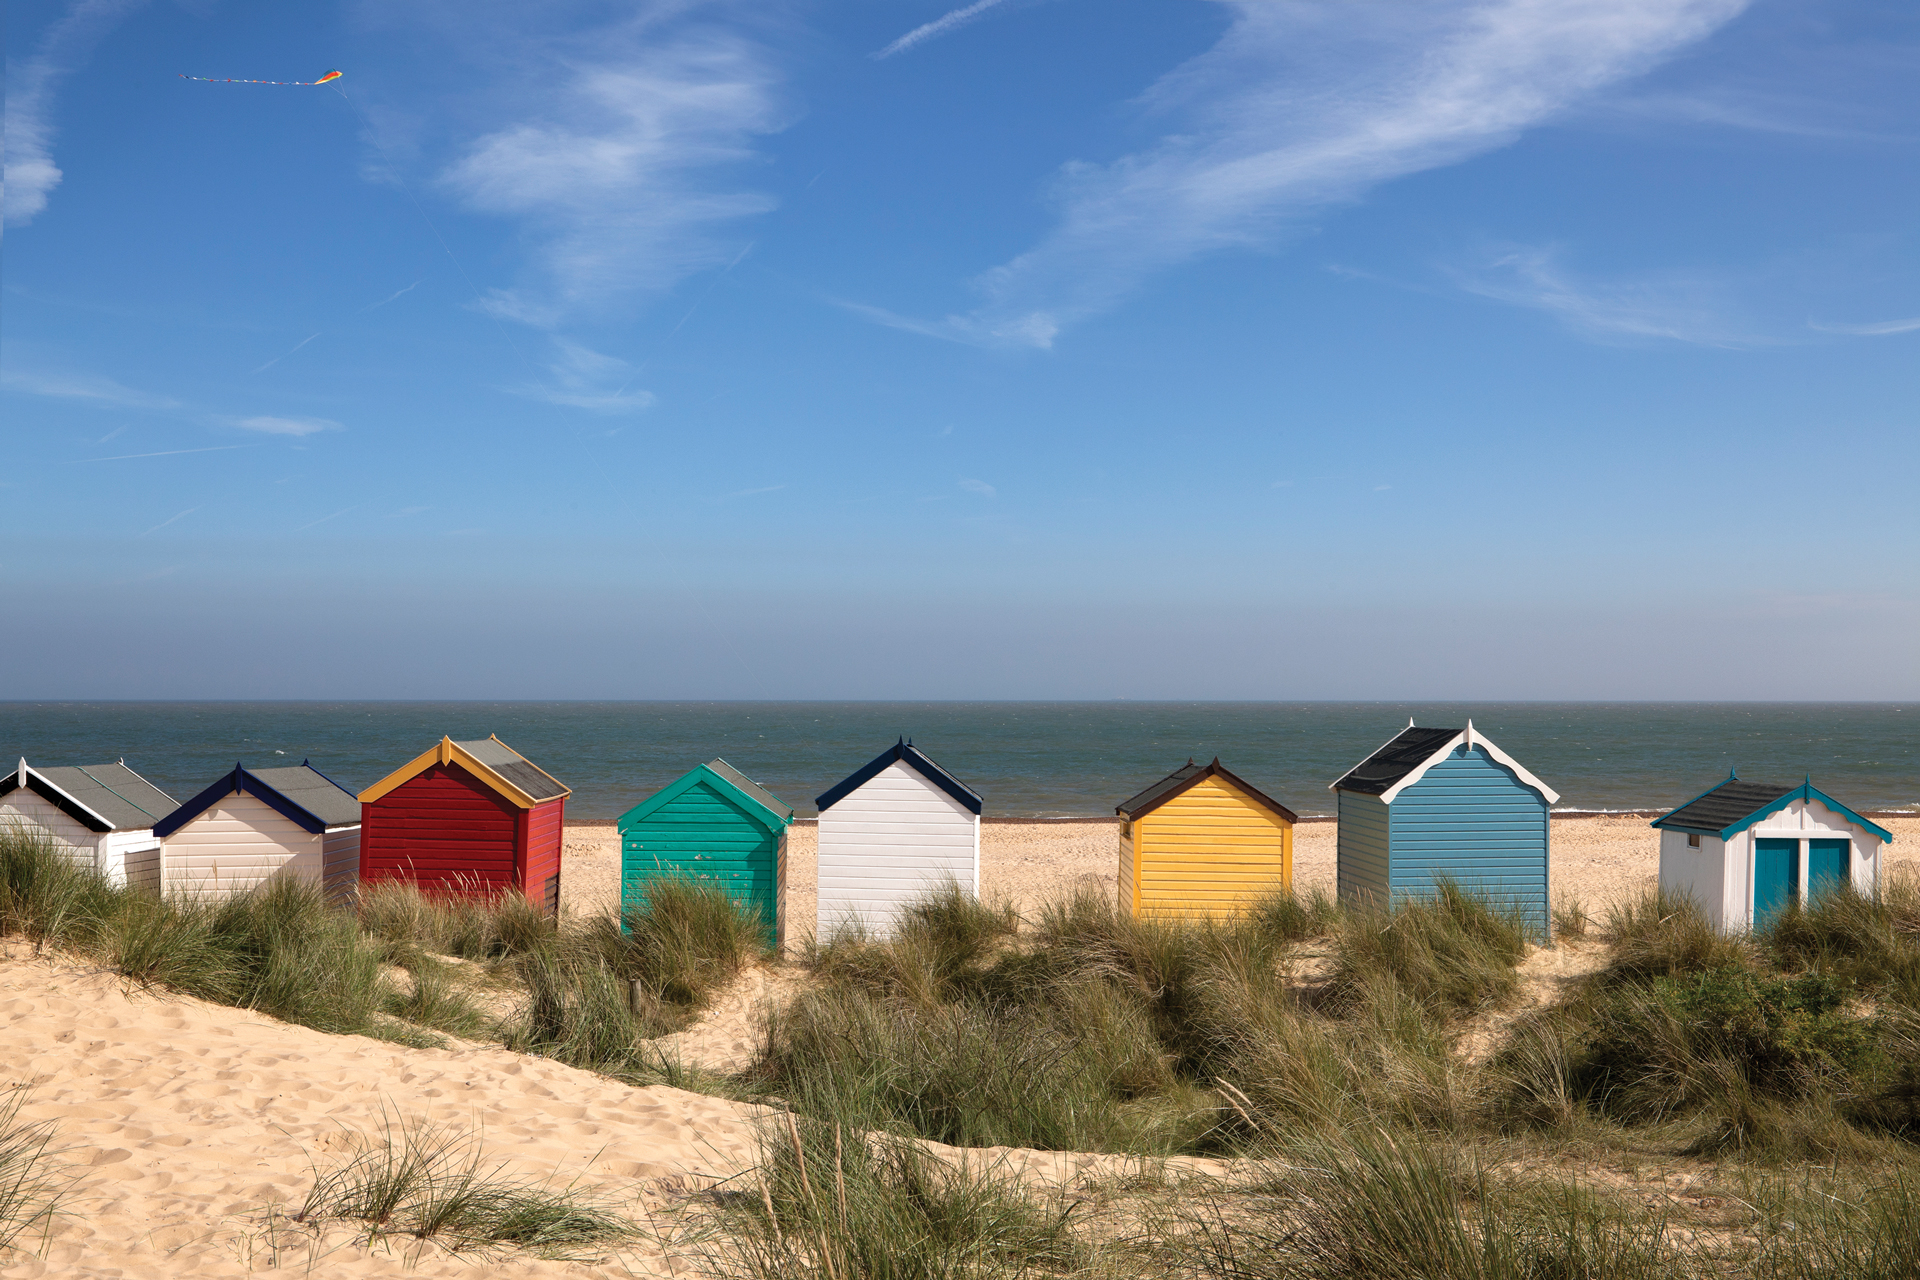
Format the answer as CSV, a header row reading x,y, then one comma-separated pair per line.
x,y
123,854
704,833
1699,874
1471,819
444,830
544,826
1209,850
236,845
1360,861
1129,883
889,842
340,861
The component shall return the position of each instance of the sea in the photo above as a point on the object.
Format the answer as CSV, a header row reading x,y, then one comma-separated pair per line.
x,y
1028,760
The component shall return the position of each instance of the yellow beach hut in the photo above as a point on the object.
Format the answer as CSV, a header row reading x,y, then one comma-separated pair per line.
x,y
1202,842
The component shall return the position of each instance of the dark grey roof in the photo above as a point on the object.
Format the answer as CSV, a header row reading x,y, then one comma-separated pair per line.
x,y
1188,775
119,795
313,791
759,793
1723,806
914,759
1409,749
515,768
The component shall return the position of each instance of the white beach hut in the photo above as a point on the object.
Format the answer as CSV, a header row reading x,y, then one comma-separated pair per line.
x,y
97,815
895,829
254,824
1744,850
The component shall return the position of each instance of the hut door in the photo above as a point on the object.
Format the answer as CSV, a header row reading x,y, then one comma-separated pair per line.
x,y
1826,866
1776,876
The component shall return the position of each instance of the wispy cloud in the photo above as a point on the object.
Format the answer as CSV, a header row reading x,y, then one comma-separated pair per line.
x,y
287,426
323,519
169,520
582,378
980,487
395,295
30,172
1674,307
1300,107
1882,329
748,493
104,392
940,26
622,165
168,453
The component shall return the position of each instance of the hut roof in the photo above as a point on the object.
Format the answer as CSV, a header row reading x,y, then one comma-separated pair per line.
x,y
301,793
1187,776
492,761
778,811
911,756
100,797
1411,752
1732,806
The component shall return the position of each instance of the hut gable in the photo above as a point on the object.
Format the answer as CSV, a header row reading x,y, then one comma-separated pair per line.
x,y
473,818
1744,851
1202,841
1450,803
896,829
254,824
96,815
711,823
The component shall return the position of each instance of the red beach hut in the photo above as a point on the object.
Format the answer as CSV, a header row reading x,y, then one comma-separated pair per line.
x,y
474,818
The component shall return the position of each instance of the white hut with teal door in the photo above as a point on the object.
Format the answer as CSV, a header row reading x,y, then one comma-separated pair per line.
x,y
1744,850
1436,803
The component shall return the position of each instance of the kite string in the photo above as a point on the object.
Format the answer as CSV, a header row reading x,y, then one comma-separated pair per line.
x,y
373,136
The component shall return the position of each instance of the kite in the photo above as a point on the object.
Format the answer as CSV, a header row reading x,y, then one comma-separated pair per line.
x,y
331,75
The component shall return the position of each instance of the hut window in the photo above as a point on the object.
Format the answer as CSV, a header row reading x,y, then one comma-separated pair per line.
x,y
1693,840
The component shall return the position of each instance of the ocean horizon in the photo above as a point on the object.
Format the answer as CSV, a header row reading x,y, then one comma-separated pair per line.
x,y
1027,759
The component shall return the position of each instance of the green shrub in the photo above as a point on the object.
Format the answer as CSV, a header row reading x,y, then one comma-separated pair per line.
x,y
1659,935
1453,953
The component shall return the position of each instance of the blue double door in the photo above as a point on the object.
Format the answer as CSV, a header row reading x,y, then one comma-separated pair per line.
x,y
1776,873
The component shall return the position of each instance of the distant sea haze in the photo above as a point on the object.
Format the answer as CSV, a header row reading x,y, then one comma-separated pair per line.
x,y
1028,759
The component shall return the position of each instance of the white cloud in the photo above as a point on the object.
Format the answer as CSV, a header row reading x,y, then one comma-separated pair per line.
x,y
1883,329
943,25
582,378
1678,308
30,174
980,487
100,391
1303,106
620,163
287,426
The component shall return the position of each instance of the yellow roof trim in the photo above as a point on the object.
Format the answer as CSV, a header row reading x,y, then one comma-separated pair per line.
x,y
446,751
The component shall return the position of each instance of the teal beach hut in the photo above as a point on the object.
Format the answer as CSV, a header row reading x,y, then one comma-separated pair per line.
x,y
712,823
1445,802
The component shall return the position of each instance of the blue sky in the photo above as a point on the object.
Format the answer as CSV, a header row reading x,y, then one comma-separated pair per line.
x,y
1040,348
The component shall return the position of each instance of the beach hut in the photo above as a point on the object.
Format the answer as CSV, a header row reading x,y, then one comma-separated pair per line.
x,y
1438,803
1202,842
1744,850
96,815
712,823
474,818
896,828
254,824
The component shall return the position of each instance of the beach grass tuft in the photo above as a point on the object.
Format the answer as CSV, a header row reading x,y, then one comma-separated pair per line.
x,y
32,1186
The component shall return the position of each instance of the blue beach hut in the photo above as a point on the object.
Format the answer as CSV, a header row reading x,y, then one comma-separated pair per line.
x,y
712,823
1444,802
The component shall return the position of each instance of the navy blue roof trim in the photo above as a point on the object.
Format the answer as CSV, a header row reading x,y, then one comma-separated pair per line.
x,y
915,759
54,796
243,783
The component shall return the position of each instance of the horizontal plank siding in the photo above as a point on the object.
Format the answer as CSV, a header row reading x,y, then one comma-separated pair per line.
x,y
544,827
340,861
705,834
444,830
1209,851
235,846
894,839
34,816
1129,883
1361,849
1471,819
